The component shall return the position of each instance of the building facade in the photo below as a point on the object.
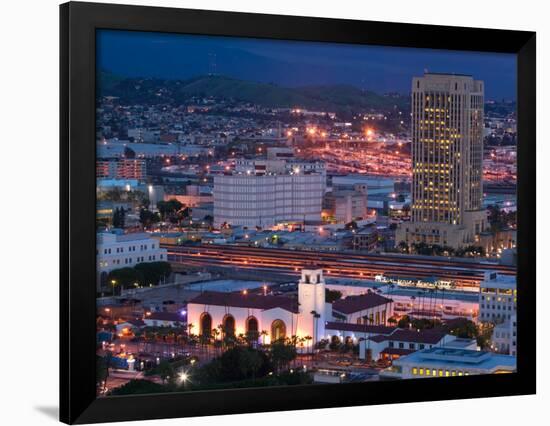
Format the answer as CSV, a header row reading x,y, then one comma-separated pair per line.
x,y
121,168
402,342
447,156
369,308
266,198
497,298
498,306
448,362
115,251
344,206
264,318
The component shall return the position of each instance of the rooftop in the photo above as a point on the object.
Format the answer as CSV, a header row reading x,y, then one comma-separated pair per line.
x,y
166,316
353,304
240,300
108,237
460,358
359,328
494,279
430,337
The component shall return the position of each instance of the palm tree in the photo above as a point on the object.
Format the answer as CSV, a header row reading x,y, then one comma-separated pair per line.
x,y
421,303
316,317
413,298
308,339
368,355
215,333
241,339
222,334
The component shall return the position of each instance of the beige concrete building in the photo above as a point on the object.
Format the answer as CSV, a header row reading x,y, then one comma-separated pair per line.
x,y
344,206
447,155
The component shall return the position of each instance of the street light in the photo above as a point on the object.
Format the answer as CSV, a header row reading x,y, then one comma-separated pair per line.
x,y
184,377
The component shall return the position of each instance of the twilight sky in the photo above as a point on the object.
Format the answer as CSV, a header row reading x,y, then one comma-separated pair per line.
x,y
291,63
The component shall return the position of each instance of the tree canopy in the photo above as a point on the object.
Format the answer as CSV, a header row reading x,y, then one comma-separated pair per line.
x,y
143,274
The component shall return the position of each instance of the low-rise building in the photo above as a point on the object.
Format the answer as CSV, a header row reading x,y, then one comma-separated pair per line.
x,y
449,362
115,251
344,206
264,318
369,308
402,342
365,239
164,319
121,168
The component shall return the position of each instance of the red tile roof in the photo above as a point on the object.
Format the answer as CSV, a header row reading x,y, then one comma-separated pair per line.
x,y
165,316
359,328
352,304
252,301
401,335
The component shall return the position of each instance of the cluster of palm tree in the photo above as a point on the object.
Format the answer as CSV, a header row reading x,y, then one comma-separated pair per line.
x,y
149,337
222,338
428,299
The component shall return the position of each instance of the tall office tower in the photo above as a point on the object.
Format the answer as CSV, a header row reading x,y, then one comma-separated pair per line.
x,y
447,155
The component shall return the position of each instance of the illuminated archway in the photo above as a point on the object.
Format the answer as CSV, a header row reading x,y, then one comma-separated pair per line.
x,y
229,325
251,325
206,324
278,330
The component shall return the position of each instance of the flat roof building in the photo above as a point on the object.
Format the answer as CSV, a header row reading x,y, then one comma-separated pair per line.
x,y
447,362
115,251
266,192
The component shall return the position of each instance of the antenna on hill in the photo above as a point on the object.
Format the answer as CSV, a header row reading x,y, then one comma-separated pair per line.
x,y
212,65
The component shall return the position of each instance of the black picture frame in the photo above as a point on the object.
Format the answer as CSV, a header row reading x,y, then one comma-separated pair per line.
x,y
78,23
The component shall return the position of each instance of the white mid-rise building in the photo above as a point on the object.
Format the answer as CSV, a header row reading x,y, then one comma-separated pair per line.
x,y
265,192
497,305
504,338
116,251
497,298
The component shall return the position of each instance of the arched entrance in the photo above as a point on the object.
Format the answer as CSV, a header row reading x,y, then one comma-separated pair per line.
x,y
252,332
229,325
206,325
278,330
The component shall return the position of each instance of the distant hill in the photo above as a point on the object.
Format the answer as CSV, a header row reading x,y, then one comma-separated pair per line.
x,y
328,98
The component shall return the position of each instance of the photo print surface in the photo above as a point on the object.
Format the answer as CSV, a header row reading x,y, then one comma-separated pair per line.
x,y
279,213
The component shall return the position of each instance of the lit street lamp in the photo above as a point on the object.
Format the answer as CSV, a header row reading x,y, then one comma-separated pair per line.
x,y
113,283
184,377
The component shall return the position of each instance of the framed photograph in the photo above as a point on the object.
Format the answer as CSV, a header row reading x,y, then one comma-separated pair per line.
x,y
264,213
